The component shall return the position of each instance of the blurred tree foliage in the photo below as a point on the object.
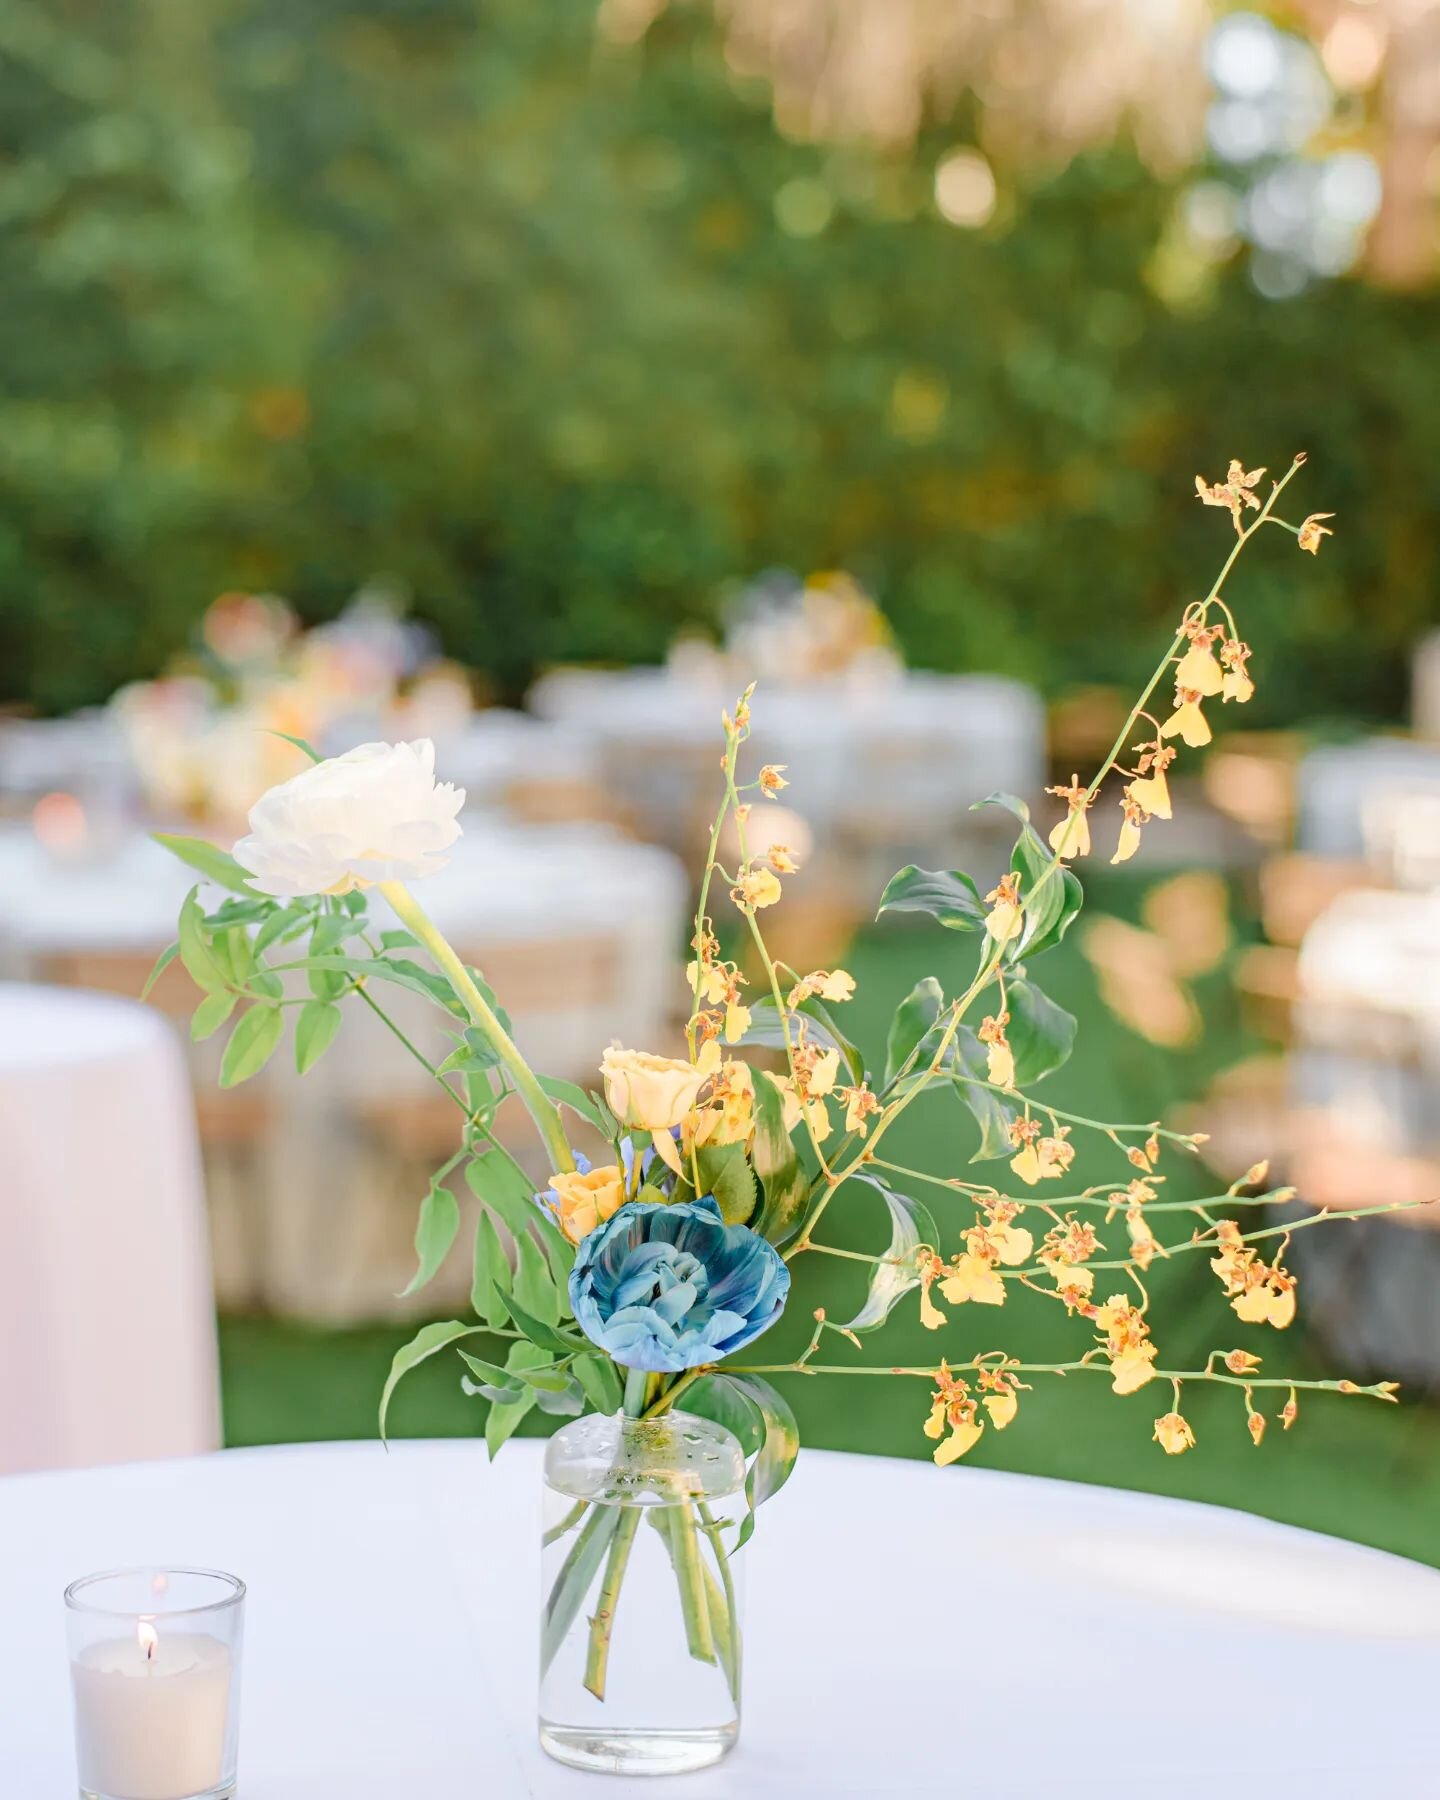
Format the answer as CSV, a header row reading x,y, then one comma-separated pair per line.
x,y
567,337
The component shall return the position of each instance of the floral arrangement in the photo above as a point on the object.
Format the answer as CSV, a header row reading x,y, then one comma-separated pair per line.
x,y
632,1280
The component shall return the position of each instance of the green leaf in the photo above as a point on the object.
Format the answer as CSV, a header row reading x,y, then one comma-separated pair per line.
x,y
787,1187
314,1032
494,1179
254,1038
720,1398
506,1416
210,1015
1051,900
914,1016
298,742
778,1449
990,1112
435,1231
162,963
495,1383
566,1093
426,1342
947,895
525,1366
596,1375
491,1279
399,940
766,1028
505,1420
534,1286
329,933
547,1336
216,865
381,968
1072,899
283,919
239,912
911,1224
231,950
725,1173
195,952
1041,1034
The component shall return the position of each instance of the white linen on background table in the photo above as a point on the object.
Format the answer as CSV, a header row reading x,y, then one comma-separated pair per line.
x,y
107,1327
910,1631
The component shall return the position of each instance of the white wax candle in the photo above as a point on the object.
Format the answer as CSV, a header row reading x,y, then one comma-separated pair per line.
x,y
152,1726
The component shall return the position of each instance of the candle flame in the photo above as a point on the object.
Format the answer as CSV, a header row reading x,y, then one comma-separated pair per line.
x,y
148,1639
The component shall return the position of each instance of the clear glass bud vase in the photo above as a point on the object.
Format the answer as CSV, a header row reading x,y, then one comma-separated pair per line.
x,y
640,1624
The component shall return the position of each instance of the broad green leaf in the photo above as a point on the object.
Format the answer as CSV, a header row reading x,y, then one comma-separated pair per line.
x,y
1042,892
771,1468
162,963
203,969
399,940
547,1336
426,1342
1041,1034
766,1028
911,1224
914,1016
494,1179
329,933
239,912
564,1401
536,1371
314,1032
495,1383
491,1279
210,1015
725,1174
719,1397
993,1115
231,949
380,968
1051,899
534,1286
566,1093
787,1187
282,920
506,1418
947,895
435,1231
216,865
1072,899
596,1375
298,742
257,1032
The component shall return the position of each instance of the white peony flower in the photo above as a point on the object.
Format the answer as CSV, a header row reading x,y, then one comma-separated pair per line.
x,y
374,814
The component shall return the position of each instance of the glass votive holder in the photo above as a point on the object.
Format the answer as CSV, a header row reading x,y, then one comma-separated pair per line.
x,y
155,1673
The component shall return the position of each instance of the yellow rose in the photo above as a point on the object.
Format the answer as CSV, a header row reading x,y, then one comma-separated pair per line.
x,y
652,1093
584,1202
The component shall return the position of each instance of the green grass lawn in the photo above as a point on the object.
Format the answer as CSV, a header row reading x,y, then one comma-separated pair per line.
x,y
1349,1466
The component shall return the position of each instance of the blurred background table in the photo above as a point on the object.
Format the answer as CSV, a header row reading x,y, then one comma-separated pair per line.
x,y
393,1604
107,1330
884,765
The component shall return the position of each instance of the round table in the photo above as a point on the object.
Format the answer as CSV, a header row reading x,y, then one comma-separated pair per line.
x,y
910,1631
107,1329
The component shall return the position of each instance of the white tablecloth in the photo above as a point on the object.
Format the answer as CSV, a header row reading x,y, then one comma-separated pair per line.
x,y
107,1330
911,1631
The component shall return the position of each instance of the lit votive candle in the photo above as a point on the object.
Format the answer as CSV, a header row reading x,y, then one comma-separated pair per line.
x,y
155,1671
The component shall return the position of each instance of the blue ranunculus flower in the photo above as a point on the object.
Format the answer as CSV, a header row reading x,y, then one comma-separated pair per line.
x,y
663,1288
